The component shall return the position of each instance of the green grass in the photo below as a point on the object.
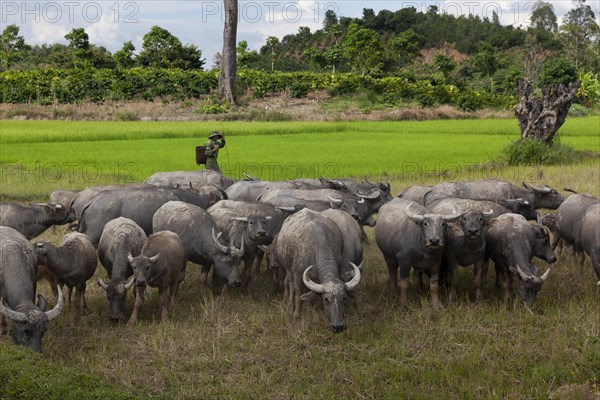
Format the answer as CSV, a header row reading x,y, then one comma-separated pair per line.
x,y
243,345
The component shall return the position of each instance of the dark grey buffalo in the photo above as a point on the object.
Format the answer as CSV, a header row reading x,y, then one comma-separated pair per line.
x,y
590,236
201,240
34,220
120,237
73,262
63,196
195,178
309,247
83,197
465,244
569,219
138,205
410,235
415,193
492,189
352,248
512,242
18,289
161,264
503,206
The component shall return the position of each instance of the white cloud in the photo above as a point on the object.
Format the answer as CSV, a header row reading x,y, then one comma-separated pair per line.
x,y
43,32
104,32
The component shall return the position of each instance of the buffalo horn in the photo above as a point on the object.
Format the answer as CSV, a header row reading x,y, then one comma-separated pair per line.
x,y
58,307
456,213
543,277
129,257
130,283
361,201
315,287
523,275
412,215
219,245
12,314
286,208
241,219
351,284
101,283
235,251
488,214
335,201
372,196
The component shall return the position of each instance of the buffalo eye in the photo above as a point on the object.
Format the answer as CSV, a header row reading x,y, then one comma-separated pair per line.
x,y
443,224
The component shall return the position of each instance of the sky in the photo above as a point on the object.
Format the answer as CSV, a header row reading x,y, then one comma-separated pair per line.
x,y
111,23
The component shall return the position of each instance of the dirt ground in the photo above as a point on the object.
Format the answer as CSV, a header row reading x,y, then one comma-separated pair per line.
x,y
317,106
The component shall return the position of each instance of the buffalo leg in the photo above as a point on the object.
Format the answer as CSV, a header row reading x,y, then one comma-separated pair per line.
x,y
163,299
595,256
404,276
3,328
78,301
392,276
203,278
478,268
137,305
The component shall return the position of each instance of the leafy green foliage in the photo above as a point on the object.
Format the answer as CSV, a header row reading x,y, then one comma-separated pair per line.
x,y
163,50
557,71
12,46
538,152
363,47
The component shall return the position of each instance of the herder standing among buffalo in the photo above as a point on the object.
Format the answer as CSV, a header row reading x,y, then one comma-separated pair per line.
x,y
212,150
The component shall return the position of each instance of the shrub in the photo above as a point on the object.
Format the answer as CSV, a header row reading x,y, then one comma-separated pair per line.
x,y
469,102
126,115
557,71
299,90
538,152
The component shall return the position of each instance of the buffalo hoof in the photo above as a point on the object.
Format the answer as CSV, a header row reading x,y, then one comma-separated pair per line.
x,y
338,328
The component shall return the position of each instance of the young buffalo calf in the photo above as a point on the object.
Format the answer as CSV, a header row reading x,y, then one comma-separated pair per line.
x,y
73,263
161,264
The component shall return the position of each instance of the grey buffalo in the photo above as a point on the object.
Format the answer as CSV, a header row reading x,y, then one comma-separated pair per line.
x,y
502,206
63,196
590,236
201,241
309,248
195,178
415,193
250,191
18,289
138,205
73,262
409,235
83,197
512,242
34,220
569,219
492,189
352,247
120,237
161,264
465,246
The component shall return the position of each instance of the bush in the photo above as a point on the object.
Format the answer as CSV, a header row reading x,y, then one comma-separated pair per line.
x,y
298,90
557,71
538,152
469,102
126,116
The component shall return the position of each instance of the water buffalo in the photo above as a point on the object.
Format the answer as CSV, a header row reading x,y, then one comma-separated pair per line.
x,y
73,262
120,237
568,220
250,191
18,289
590,236
63,196
83,197
415,193
492,189
512,242
201,240
34,220
161,264
195,178
309,247
138,205
465,245
352,249
502,206
409,235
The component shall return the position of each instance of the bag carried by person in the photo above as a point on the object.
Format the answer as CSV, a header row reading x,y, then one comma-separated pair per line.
x,y
200,155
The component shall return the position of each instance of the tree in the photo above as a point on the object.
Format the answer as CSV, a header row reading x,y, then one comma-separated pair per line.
x,y
124,57
444,64
246,57
543,17
161,49
363,47
330,20
272,42
12,46
228,57
577,32
404,47
79,46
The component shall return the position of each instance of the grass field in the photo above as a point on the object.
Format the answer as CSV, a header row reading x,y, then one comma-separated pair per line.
x,y
243,345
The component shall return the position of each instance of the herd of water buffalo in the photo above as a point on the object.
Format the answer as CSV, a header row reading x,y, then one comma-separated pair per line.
x,y
311,232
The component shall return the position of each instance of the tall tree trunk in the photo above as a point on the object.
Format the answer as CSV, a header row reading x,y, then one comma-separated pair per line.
x,y
228,60
542,118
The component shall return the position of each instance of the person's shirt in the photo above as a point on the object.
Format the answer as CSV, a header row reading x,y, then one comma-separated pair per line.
x,y
210,144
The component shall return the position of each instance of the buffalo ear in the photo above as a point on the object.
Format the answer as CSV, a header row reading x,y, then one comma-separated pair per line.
x,y
308,296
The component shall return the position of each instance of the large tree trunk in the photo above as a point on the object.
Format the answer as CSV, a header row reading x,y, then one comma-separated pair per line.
x,y
542,118
228,60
